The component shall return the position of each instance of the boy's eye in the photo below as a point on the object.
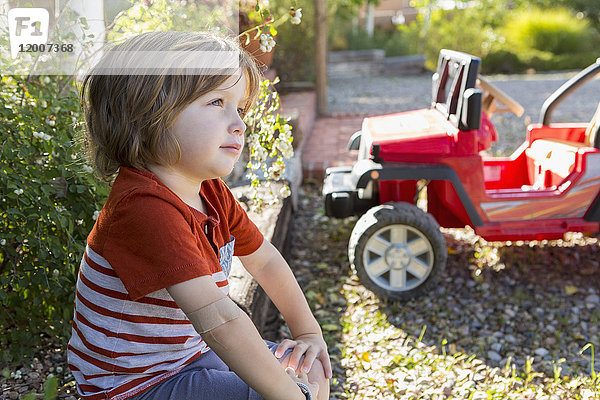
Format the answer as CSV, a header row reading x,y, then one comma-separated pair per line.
x,y
220,103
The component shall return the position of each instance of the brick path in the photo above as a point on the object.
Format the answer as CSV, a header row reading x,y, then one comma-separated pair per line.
x,y
326,146
323,140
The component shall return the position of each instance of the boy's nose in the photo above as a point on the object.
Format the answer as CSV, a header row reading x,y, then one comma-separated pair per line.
x,y
238,127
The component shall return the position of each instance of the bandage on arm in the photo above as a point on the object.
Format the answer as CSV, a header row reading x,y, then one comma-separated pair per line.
x,y
230,333
213,315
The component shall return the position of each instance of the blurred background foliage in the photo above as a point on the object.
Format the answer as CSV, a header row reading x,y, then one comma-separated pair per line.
x,y
511,36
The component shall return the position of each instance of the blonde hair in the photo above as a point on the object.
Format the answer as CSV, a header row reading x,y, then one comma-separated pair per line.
x,y
128,116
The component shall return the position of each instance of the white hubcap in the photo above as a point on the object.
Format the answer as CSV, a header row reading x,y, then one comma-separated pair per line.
x,y
398,257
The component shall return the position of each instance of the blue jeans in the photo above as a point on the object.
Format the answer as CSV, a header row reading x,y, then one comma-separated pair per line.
x,y
207,378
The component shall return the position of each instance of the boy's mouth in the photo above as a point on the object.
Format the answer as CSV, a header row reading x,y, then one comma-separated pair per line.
x,y
232,147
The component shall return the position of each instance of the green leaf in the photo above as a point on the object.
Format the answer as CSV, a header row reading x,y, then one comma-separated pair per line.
x,y
330,327
51,388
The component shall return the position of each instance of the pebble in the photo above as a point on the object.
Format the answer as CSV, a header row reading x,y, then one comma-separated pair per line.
x,y
510,339
446,390
510,312
479,395
592,299
542,352
492,355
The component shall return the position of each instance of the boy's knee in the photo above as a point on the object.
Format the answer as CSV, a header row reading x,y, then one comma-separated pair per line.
x,y
317,375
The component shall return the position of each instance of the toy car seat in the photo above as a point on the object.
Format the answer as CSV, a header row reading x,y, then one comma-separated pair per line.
x,y
552,160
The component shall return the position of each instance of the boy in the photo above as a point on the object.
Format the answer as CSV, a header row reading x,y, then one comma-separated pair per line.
x,y
152,315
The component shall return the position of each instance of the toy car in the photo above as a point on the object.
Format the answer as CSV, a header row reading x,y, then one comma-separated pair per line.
x,y
547,187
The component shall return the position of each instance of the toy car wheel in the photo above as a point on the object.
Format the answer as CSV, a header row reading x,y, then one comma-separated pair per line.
x,y
397,251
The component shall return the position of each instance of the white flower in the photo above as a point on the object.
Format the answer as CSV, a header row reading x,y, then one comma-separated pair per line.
x,y
44,104
285,147
253,140
2,242
88,169
60,209
266,43
285,192
95,216
42,135
276,171
79,221
18,192
46,80
260,154
51,122
296,16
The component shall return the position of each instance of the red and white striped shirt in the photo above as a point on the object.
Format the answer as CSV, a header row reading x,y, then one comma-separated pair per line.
x,y
128,333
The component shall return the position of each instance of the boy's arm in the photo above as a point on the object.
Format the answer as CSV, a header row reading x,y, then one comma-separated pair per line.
x,y
274,275
236,342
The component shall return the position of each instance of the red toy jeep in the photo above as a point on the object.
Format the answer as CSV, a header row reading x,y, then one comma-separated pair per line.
x,y
547,187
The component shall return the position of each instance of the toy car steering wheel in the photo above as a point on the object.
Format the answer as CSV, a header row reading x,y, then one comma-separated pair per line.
x,y
491,93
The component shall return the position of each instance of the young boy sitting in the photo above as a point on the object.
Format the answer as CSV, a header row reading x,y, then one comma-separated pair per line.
x,y
153,319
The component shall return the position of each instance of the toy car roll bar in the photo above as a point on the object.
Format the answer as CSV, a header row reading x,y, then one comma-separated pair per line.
x,y
565,90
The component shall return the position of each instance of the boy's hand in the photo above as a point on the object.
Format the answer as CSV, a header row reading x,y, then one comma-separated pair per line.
x,y
302,377
310,346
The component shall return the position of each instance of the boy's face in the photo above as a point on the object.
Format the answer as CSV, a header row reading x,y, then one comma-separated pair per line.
x,y
210,131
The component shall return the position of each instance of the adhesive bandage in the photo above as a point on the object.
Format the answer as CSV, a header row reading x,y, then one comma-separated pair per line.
x,y
214,315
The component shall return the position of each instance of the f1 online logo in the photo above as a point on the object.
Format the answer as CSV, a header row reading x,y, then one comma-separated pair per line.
x,y
27,26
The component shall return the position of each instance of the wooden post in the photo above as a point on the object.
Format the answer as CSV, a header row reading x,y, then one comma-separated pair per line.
x,y
370,19
321,56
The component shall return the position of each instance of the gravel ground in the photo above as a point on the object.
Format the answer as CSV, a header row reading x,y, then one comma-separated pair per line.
x,y
506,321
395,94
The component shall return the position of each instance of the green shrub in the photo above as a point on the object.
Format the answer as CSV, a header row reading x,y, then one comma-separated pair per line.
x,y
49,199
557,31
502,61
394,42
294,52
461,30
545,61
507,62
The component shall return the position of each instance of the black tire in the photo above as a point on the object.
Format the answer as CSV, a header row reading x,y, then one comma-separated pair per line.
x,y
403,249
